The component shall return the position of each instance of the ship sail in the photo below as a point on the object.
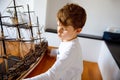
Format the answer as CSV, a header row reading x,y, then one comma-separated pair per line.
x,y
19,55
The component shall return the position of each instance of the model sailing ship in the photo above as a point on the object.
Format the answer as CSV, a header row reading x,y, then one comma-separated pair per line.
x,y
18,56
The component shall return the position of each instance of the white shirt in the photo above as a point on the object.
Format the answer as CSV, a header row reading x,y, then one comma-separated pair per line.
x,y
69,63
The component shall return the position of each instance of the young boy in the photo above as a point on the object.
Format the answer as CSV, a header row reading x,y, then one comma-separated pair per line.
x,y
69,64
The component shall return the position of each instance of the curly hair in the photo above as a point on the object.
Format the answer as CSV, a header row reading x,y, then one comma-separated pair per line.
x,y
72,15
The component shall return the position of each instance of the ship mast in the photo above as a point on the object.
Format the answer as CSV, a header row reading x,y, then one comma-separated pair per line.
x,y
4,46
17,25
39,34
38,27
16,18
30,23
30,27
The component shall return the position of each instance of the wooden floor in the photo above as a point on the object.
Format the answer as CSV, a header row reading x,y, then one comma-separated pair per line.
x,y
91,70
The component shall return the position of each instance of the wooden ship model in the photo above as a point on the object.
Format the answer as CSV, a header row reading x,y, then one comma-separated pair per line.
x,y
19,56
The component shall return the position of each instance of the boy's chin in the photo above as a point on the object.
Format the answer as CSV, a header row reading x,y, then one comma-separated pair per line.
x,y
61,39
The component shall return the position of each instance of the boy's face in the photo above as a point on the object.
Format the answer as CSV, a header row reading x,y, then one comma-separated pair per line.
x,y
67,33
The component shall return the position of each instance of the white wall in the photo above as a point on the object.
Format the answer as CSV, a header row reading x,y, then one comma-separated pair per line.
x,y
52,7
40,7
100,14
3,5
6,3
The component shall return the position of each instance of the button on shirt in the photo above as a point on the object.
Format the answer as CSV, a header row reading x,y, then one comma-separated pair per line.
x,y
69,63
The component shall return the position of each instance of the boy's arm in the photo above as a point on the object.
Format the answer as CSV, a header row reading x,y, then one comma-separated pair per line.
x,y
52,51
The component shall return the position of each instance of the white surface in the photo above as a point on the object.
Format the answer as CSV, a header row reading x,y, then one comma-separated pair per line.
x,y
90,49
113,29
107,65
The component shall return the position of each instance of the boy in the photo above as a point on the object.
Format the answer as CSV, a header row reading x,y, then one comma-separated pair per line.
x,y
69,64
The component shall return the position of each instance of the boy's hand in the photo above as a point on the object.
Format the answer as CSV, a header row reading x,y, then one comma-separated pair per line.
x,y
52,51
48,51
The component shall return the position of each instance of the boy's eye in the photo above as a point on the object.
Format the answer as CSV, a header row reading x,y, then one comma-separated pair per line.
x,y
64,29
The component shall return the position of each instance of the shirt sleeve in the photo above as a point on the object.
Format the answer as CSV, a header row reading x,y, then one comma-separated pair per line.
x,y
57,70
54,52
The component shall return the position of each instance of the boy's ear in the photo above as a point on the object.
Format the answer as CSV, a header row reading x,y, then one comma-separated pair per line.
x,y
78,30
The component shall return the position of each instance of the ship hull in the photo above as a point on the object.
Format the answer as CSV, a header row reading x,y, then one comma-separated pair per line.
x,y
22,67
